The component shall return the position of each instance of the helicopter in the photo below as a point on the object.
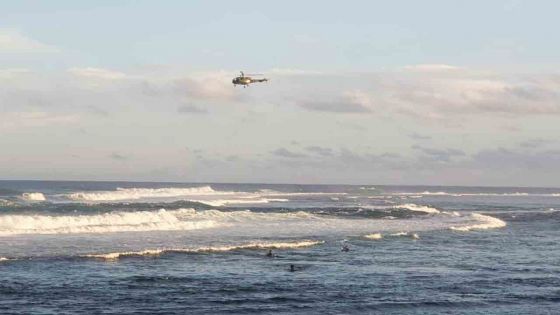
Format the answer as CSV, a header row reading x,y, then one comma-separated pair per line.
x,y
246,80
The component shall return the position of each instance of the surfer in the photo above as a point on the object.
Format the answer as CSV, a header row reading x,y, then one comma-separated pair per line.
x,y
292,268
345,248
269,254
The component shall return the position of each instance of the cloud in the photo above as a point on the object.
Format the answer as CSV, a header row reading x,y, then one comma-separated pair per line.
x,y
333,107
13,41
293,72
97,73
431,68
320,150
354,101
97,111
535,143
215,86
285,153
191,109
12,73
35,119
118,157
443,155
508,159
417,136
464,95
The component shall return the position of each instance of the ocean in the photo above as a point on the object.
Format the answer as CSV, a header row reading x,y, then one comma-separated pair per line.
x,y
170,248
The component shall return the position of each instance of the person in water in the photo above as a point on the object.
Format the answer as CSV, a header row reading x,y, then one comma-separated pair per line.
x,y
292,268
345,248
269,254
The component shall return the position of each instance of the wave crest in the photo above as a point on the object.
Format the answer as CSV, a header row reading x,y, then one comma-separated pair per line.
x,y
209,249
161,220
139,193
374,236
33,196
484,222
418,208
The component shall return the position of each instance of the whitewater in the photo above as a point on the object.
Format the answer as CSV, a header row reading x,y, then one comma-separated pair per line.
x,y
193,247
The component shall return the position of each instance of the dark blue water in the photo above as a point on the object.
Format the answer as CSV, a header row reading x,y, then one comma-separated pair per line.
x,y
167,248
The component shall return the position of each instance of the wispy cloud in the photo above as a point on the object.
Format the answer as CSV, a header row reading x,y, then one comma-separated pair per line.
x,y
191,109
417,136
431,68
443,155
118,156
354,101
321,151
13,41
285,153
97,73
33,119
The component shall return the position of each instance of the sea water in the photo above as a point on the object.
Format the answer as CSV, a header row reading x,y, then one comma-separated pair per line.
x,y
169,248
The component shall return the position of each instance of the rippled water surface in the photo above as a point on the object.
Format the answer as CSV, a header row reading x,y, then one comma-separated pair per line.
x,y
168,248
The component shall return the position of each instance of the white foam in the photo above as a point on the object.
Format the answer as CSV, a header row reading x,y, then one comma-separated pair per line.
x,y
226,225
438,193
482,222
33,196
202,194
415,207
367,188
4,259
223,202
140,193
374,236
406,234
5,203
161,220
268,192
224,248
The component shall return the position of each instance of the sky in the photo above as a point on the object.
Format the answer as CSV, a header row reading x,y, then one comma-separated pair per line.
x,y
360,92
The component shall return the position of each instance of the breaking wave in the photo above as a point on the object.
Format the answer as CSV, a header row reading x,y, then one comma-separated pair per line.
x,y
139,193
161,220
33,196
231,224
208,249
374,236
482,222
378,236
5,203
223,202
204,194
415,207
414,236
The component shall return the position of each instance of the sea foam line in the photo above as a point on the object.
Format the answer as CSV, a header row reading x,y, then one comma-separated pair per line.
x,y
209,249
